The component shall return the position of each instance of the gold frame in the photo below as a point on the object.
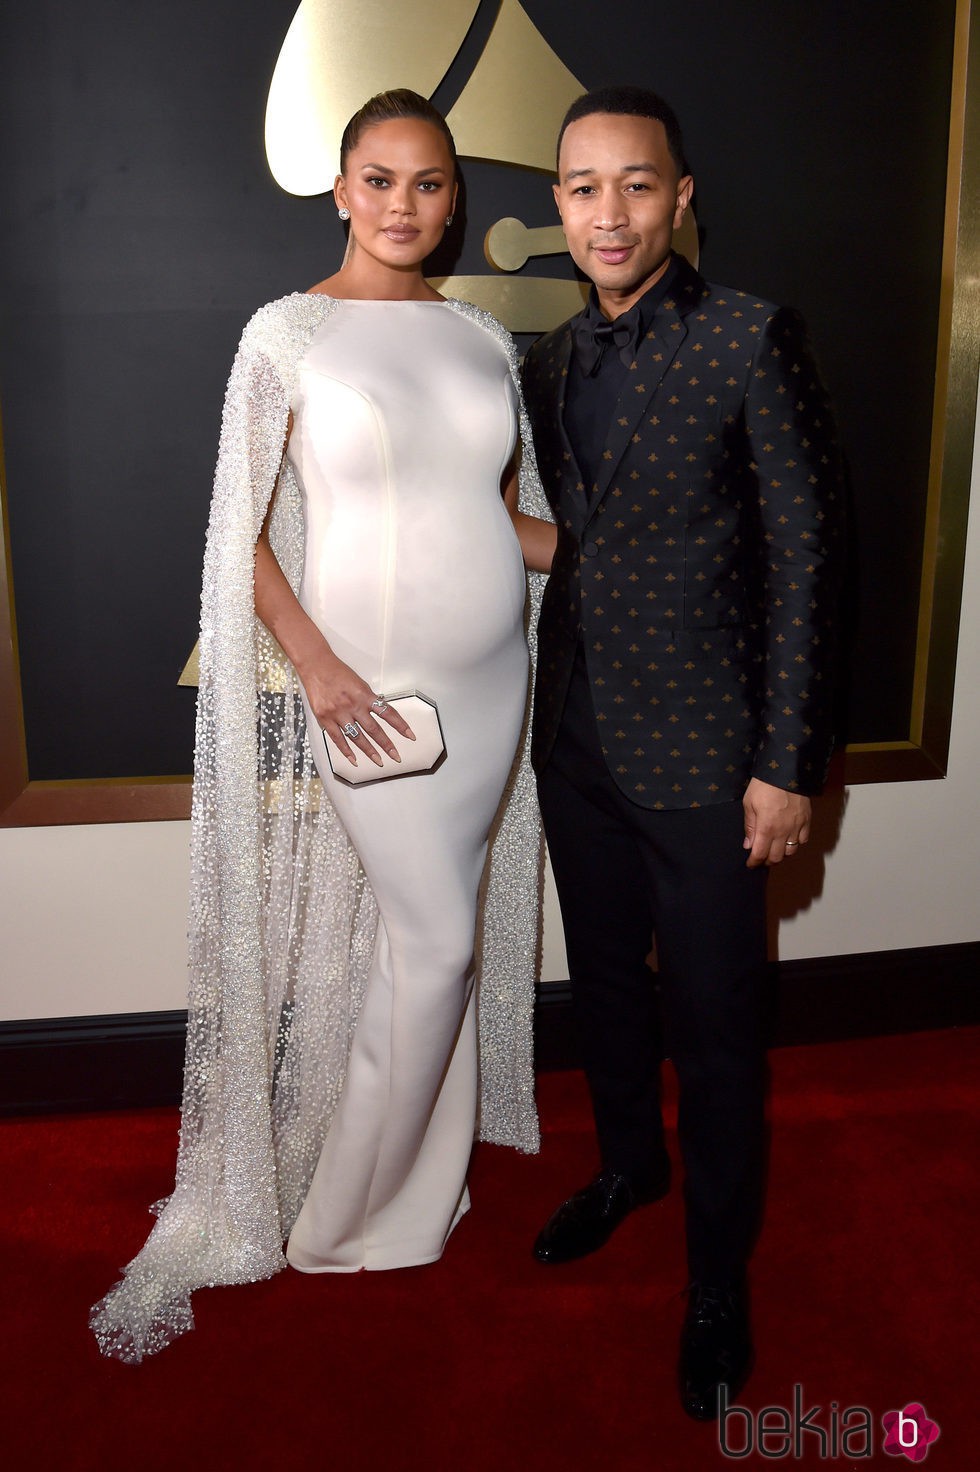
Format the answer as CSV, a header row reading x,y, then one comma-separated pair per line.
x,y
925,751
24,803
27,804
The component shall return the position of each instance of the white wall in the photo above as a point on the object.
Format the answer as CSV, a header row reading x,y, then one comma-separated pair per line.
x,y
92,919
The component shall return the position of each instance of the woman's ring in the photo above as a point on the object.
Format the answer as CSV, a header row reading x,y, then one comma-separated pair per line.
x,y
380,705
791,843
352,730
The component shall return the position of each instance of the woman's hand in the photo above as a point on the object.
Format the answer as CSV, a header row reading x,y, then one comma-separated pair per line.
x,y
340,701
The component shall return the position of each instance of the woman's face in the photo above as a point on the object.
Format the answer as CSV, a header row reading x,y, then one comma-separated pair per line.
x,y
399,186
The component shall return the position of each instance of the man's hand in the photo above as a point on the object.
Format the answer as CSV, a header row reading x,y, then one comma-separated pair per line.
x,y
777,823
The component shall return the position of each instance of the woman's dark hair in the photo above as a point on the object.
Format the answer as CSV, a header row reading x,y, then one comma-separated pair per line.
x,y
635,102
386,107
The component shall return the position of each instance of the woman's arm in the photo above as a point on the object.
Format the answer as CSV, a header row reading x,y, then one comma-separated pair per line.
x,y
538,538
336,693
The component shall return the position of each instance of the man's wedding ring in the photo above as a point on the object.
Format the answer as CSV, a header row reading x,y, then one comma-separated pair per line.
x,y
791,843
380,705
351,730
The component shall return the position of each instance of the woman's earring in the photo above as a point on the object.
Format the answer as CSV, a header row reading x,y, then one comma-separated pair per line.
x,y
449,221
343,214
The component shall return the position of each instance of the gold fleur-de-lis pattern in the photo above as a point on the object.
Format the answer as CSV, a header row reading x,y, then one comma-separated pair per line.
x,y
701,566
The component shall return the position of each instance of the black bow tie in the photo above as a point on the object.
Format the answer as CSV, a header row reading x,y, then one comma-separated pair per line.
x,y
592,339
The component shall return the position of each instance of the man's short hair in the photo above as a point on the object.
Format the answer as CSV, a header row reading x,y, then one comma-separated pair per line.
x,y
636,102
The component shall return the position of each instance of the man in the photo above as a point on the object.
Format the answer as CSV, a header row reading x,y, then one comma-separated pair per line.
x,y
682,713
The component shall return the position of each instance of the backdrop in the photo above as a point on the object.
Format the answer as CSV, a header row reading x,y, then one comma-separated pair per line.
x,y
141,228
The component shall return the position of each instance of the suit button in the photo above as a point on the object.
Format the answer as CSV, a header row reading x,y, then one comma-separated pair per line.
x,y
590,549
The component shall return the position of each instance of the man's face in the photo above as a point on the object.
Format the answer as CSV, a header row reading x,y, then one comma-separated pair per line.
x,y
620,199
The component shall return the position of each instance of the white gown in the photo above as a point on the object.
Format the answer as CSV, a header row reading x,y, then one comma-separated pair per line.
x,y
405,417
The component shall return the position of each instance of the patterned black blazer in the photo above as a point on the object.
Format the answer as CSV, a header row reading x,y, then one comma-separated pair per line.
x,y
701,568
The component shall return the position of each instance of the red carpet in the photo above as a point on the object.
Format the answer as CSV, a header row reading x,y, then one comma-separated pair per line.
x,y
864,1293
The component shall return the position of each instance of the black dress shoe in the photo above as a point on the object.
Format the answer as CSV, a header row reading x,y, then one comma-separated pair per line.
x,y
587,1220
716,1348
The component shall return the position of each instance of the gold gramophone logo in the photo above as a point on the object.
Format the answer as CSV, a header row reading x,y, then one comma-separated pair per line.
x,y
337,53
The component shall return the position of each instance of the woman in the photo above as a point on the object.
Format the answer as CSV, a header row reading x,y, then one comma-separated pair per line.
x,y
331,1082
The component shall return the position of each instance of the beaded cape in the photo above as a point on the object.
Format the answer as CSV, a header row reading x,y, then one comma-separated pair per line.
x,y
282,919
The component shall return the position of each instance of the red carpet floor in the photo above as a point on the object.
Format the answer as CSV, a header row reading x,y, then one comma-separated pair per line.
x,y
864,1290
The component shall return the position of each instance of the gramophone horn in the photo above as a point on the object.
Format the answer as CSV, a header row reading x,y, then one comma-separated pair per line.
x,y
337,54
512,105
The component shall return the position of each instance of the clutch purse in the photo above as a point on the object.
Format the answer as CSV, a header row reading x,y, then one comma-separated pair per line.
x,y
417,757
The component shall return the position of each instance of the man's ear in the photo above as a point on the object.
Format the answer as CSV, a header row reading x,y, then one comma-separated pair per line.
x,y
556,191
685,190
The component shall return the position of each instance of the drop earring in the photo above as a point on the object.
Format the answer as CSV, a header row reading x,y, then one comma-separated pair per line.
x,y
449,221
343,214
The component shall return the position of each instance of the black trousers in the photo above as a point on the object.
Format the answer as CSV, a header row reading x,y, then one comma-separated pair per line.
x,y
626,875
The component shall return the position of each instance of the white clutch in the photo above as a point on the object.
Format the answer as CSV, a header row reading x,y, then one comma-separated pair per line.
x,y
417,757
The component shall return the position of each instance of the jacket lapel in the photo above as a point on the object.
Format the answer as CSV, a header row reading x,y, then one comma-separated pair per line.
x,y
654,357
574,497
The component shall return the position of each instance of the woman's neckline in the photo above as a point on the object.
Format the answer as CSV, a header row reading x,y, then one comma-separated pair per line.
x,y
379,301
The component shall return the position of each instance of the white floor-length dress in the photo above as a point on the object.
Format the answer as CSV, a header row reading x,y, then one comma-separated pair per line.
x,y
405,417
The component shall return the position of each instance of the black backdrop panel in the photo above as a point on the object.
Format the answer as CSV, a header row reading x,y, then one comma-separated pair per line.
x,y
140,229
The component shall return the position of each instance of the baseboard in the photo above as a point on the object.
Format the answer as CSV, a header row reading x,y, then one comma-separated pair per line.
x,y
127,1061
135,1060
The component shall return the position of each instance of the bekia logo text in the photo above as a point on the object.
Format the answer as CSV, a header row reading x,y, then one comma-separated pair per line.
x,y
778,1431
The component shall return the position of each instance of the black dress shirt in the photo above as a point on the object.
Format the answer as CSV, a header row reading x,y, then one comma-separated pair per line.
x,y
591,398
